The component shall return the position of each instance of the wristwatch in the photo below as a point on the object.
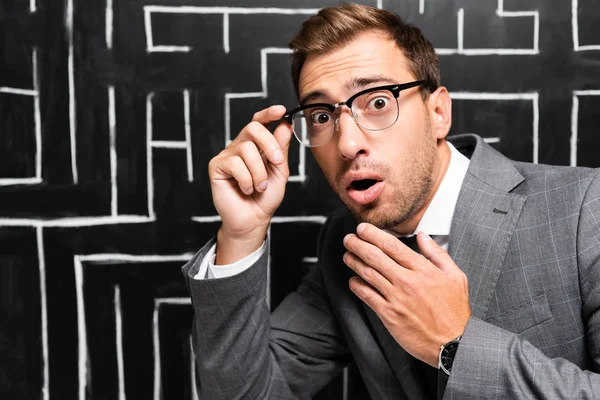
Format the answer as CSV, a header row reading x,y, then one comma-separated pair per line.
x,y
447,353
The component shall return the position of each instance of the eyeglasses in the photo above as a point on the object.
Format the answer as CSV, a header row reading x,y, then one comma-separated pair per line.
x,y
374,109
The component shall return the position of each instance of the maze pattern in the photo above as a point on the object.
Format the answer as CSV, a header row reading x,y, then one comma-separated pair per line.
x,y
110,112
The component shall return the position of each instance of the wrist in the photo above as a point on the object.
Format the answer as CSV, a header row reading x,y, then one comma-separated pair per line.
x,y
234,247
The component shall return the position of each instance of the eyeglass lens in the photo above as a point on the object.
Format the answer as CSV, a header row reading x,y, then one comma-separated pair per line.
x,y
377,110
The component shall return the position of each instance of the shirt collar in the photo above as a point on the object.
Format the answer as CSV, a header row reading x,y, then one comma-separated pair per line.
x,y
438,217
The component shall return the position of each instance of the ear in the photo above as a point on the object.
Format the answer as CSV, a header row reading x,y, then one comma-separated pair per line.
x,y
439,106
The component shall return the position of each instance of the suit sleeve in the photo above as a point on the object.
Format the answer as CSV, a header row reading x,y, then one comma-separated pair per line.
x,y
244,352
494,363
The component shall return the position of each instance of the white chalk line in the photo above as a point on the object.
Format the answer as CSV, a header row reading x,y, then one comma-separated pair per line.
x,y
82,346
461,50
575,30
225,11
19,181
167,144
37,114
112,133
37,117
119,343
188,134
71,79
44,310
320,219
112,114
575,121
78,261
228,10
156,339
149,155
22,92
531,96
76,222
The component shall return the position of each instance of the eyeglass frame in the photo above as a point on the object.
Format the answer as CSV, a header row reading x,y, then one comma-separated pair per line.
x,y
394,89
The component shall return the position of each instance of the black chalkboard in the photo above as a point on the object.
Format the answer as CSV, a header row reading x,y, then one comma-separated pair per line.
x,y
110,111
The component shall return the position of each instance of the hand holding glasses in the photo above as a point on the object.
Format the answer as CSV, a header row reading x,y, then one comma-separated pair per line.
x,y
373,109
248,178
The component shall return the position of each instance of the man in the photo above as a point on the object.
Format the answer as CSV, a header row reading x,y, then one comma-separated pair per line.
x,y
526,239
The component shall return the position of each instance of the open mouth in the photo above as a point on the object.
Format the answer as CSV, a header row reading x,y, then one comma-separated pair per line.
x,y
362,184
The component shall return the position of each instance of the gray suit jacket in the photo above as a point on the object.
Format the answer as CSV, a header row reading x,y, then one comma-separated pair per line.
x,y
528,238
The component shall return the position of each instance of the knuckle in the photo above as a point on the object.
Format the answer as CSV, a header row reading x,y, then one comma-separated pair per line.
x,y
212,164
365,294
391,246
390,313
372,256
236,162
465,279
410,285
248,148
253,128
368,273
239,169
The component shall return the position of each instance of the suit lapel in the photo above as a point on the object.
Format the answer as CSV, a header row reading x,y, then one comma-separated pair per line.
x,y
404,366
484,220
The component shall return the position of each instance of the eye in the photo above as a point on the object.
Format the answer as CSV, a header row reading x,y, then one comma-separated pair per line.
x,y
378,103
320,117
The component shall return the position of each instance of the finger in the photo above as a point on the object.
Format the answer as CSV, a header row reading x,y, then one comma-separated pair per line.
x,y
437,255
367,294
391,246
373,257
255,164
264,140
224,168
368,274
269,114
283,134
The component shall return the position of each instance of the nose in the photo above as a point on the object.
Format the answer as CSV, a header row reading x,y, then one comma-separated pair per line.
x,y
351,140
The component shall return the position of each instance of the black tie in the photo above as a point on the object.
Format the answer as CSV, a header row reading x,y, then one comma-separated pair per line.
x,y
411,242
428,373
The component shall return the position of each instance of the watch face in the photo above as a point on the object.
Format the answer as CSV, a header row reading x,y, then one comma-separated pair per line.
x,y
447,356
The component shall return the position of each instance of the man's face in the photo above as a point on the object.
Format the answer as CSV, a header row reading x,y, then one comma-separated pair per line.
x,y
384,177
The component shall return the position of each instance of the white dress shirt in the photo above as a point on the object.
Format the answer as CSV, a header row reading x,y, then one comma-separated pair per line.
x,y
435,222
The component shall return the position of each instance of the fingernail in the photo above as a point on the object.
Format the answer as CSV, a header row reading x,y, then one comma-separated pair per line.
x,y
277,109
427,236
263,185
277,156
345,239
360,228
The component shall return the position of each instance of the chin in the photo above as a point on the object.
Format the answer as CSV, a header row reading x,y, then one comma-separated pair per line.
x,y
378,215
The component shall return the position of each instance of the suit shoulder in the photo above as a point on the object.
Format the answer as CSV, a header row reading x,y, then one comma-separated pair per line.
x,y
545,178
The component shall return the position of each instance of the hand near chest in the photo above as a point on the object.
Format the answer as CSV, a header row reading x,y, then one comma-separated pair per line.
x,y
422,299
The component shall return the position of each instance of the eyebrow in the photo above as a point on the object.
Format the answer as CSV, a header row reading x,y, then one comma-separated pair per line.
x,y
354,84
